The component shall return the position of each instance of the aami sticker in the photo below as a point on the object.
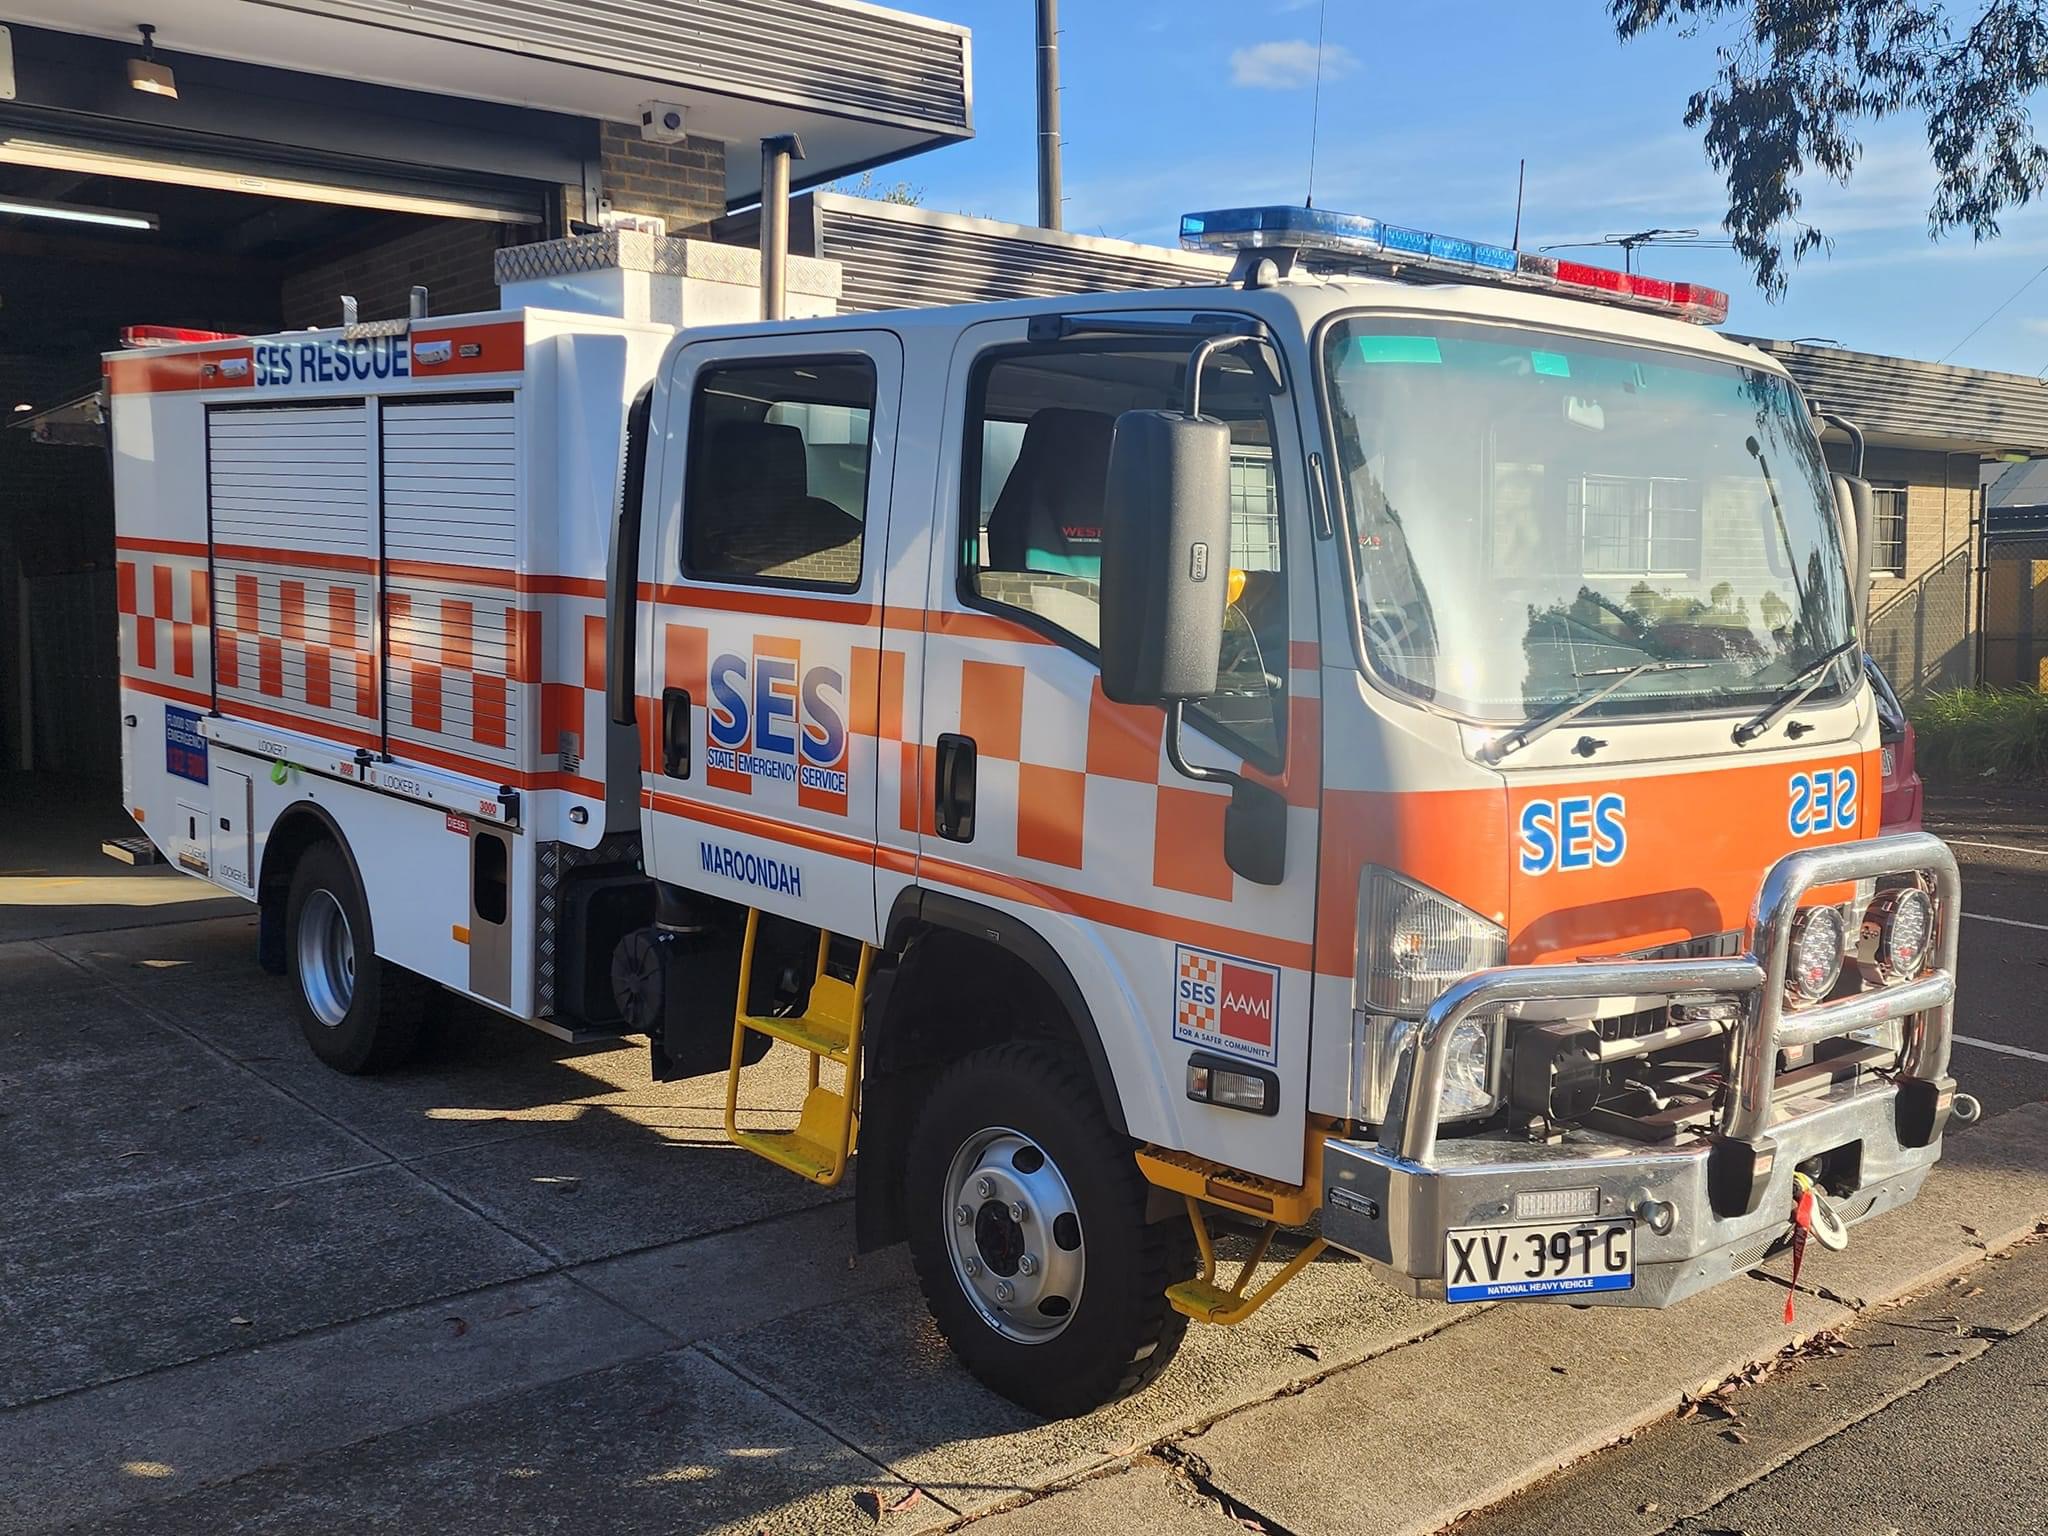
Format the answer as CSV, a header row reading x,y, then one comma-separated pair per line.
x,y
1226,1004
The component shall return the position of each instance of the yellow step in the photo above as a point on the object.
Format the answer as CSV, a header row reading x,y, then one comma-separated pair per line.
x,y
820,1036
816,1149
1201,1300
1249,1194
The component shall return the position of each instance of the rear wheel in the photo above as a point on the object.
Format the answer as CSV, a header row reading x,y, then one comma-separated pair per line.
x,y
1027,1227
357,1012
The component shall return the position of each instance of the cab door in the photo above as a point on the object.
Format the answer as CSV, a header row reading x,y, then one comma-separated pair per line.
x,y
1045,800
763,545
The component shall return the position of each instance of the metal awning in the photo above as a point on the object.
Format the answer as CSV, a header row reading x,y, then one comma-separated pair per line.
x,y
860,83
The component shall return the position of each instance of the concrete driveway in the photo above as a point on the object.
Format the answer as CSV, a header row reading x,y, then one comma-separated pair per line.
x,y
518,1286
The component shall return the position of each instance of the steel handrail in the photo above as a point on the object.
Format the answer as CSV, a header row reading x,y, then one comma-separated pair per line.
x,y
1422,1046
1928,1030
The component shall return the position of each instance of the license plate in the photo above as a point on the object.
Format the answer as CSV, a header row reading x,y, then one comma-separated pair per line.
x,y
1887,761
1553,1258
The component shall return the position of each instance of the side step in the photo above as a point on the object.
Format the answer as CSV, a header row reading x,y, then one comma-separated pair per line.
x,y
1200,1182
1248,1194
828,1030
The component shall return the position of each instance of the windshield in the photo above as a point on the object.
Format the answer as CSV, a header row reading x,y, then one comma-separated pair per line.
x,y
1534,513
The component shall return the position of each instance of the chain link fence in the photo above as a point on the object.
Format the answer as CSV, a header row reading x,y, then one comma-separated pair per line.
x,y
2015,616
1921,634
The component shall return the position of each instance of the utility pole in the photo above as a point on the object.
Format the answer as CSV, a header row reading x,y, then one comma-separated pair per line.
x,y
1048,114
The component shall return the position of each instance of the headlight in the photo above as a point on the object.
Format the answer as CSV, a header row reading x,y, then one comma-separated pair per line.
x,y
1413,943
1468,1072
1470,1081
1816,958
1905,926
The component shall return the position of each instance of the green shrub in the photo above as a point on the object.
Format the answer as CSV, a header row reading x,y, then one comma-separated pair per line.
x,y
1968,735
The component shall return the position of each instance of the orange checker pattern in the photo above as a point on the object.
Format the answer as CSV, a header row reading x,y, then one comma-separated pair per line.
x,y
165,609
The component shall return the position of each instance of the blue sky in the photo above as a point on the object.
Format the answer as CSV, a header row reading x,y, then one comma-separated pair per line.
x,y
1180,104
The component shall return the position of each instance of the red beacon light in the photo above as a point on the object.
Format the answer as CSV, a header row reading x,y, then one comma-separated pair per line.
x,y
1342,240
172,335
1688,301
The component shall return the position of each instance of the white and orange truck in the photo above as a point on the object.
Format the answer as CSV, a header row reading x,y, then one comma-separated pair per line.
x,y
1377,746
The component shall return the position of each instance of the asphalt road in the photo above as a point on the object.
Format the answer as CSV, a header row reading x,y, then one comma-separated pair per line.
x,y
2001,842
1928,1418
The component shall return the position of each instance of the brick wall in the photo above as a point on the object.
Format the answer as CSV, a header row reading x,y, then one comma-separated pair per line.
x,y
683,183
1937,513
451,256
1923,621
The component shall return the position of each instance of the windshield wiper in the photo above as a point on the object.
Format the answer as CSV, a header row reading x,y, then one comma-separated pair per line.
x,y
1543,724
1792,694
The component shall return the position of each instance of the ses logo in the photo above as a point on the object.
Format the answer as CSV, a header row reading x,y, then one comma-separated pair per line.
x,y
1226,1004
769,718
1822,801
1573,832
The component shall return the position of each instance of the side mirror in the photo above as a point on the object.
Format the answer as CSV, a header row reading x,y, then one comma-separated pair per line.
x,y
1165,556
1858,516
1165,586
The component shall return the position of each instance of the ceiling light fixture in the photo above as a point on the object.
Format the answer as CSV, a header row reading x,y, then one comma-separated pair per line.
x,y
53,156
77,213
145,74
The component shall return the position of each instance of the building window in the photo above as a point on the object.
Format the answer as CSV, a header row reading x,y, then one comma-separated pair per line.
x,y
778,471
1888,508
1639,526
1254,511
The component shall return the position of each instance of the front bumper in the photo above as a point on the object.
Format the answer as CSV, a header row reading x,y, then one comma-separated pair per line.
x,y
1722,1200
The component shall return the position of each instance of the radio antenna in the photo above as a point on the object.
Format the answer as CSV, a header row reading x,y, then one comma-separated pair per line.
x,y
1315,111
1521,174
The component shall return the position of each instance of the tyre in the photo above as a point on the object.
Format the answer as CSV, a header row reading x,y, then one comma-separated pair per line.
x,y
1027,1227
358,1013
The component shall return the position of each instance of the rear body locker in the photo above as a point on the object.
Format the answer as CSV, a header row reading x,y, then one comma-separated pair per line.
x,y
363,591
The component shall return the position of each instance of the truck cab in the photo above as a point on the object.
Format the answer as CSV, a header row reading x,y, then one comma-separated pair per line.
x,y
1377,748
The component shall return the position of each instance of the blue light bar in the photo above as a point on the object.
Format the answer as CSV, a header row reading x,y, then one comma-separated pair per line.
x,y
1235,229
1369,242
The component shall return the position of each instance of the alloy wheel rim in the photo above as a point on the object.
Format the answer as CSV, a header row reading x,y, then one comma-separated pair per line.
x,y
1013,1233
327,958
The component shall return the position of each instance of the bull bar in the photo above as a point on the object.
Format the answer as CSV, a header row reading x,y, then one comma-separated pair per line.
x,y
1720,1200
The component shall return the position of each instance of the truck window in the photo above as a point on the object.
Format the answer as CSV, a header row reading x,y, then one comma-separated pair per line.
x,y
775,489
1038,428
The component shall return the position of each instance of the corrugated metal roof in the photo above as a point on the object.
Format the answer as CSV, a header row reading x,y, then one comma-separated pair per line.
x,y
896,256
1913,403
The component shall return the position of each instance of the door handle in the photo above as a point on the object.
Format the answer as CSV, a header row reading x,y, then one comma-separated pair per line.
x,y
953,812
675,732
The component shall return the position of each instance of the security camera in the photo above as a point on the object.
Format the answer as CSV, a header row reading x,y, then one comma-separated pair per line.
x,y
661,122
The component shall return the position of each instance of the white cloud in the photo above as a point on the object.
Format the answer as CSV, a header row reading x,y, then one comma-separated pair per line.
x,y
1288,66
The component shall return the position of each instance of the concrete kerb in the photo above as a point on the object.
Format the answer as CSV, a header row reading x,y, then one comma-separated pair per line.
x,y
1500,1408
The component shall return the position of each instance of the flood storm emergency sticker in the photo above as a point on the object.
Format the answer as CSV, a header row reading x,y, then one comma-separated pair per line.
x,y
1226,1004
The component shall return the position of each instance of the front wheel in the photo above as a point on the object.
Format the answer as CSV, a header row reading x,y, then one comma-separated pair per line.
x,y
1027,1227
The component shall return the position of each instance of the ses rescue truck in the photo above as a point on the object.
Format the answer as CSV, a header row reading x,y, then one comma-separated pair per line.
x,y
1378,745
